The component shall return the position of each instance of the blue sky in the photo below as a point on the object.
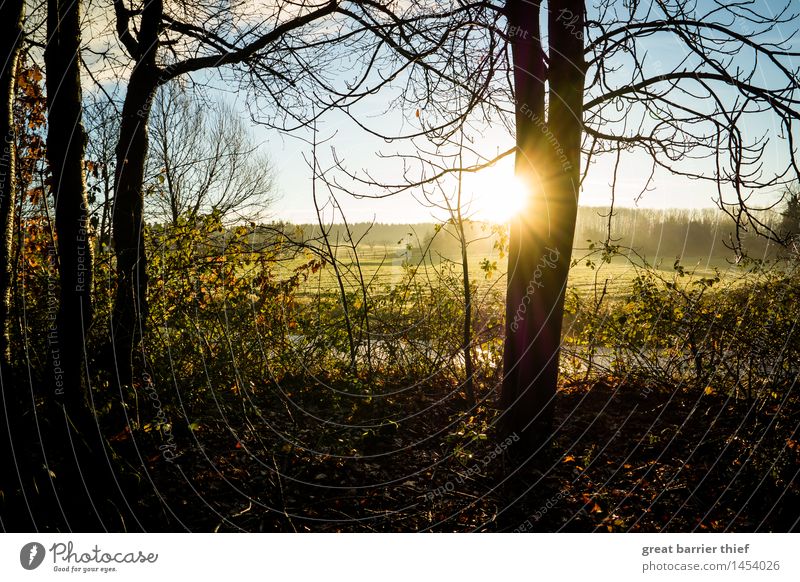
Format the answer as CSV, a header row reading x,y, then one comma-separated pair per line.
x,y
360,152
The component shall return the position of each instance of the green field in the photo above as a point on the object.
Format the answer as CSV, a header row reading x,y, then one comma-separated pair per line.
x,y
389,266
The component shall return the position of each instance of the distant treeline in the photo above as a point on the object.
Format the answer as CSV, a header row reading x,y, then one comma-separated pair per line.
x,y
672,233
655,234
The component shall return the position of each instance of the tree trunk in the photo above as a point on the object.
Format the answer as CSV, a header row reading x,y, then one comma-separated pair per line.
x,y
469,368
66,142
11,13
540,245
130,307
80,484
130,313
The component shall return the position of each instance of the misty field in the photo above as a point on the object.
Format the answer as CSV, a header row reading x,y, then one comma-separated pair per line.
x,y
390,266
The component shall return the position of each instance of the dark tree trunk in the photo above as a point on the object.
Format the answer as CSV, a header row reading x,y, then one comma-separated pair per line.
x,y
469,368
540,245
81,488
11,15
130,307
66,143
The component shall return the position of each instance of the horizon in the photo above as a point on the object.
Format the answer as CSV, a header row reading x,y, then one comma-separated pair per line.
x,y
665,210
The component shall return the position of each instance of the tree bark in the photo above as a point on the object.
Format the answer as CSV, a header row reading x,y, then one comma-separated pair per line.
x,y
11,14
11,18
81,483
540,245
66,143
130,313
469,368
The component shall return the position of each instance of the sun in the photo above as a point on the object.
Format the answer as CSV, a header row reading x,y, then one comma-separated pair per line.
x,y
495,194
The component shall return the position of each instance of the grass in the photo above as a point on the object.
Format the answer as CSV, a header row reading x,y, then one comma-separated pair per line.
x,y
385,267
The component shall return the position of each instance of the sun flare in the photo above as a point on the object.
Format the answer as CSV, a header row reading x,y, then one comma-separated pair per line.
x,y
495,194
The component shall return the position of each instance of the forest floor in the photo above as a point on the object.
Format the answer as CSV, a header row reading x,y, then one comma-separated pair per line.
x,y
623,458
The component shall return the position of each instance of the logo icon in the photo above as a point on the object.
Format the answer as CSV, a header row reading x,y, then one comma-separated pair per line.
x,y
31,555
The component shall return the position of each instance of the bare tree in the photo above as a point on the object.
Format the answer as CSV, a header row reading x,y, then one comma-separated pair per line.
x,y
457,216
456,203
540,243
204,162
102,127
168,40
